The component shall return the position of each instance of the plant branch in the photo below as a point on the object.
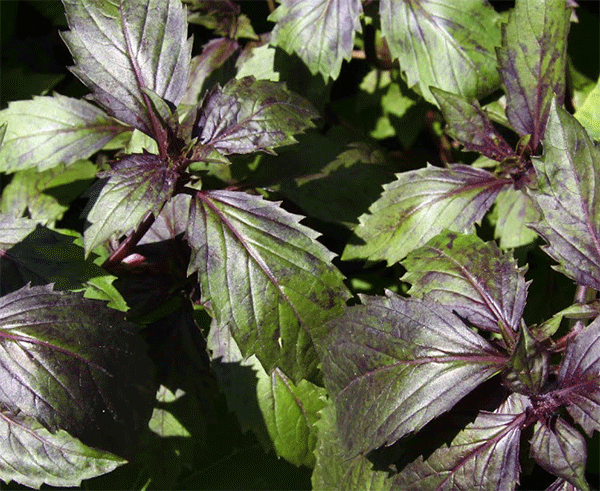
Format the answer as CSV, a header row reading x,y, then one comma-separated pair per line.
x,y
126,247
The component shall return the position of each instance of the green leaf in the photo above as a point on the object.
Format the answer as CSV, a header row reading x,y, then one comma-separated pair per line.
x,y
443,46
470,277
513,211
527,369
478,455
560,449
137,185
320,32
418,206
122,47
258,62
532,63
266,277
470,126
74,364
588,114
30,455
249,115
394,364
567,198
46,195
162,422
47,131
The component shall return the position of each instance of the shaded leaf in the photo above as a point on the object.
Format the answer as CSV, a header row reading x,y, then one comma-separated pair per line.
x,y
560,449
320,32
513,211
122,47
418,206
266,278
470,126
470,277
481,455
443,46
527,369
579,377
532,63
588,114
249,115
567,198
137,185
32,456
394,364
74,364
47,131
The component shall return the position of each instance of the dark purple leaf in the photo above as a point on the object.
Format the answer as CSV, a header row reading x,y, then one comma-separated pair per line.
x,y
567,198
471,127
137,185
418,206
532,63
320,32
394,364
471,277
249,115
123,47
483,455
560,449
74,364
266,277
579,378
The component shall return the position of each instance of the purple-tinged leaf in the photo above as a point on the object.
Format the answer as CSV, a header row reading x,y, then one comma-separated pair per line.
x,y
74,364
532,63
560,449
513,210
579,378
30,455
249,115
440,45
137,185
418,206
481,456
47,131
471,127
171,221
122,47
527,369
470,277
320,32
394,364
214,54
266,277
223,17
562,485
568,198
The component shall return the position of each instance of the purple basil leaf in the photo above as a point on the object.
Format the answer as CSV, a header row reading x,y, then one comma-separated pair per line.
x,y
249,115
214,53
266,277
483,455
320,32
526,371
471,277
562,485
579,377
440,45
567,198
532,63
74,364
137,184
471,127
394,364
171,221
560,449
124,46
418,206
32,456
513,210
47,131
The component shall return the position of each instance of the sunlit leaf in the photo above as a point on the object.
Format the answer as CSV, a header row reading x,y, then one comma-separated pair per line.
x,y
320,32
513,211
122,47
588,114
47,131
394,364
